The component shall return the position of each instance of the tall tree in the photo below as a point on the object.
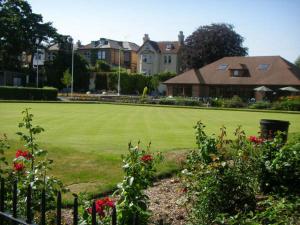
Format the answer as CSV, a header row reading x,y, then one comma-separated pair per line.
x,y
62,61
210,43
21,30
297,62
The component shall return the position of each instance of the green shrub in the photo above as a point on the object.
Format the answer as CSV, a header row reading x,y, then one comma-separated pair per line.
x,y
167,101
217,102
260,105
21,93
130,83
280,167
272,210
219,176
139,167
187,102
234,102
287,104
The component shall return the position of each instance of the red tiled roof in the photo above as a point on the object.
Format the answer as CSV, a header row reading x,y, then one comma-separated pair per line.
x,y
279,72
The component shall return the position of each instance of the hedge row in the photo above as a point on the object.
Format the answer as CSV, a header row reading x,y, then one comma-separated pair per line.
x,y
130,83
22,93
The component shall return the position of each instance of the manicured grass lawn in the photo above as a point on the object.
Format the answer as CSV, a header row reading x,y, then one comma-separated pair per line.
x,y
86,140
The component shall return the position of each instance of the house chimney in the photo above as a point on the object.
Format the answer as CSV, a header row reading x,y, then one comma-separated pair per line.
x,y
181,38
146,38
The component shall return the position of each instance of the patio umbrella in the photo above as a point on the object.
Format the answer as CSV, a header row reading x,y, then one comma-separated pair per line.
x,y
290,89
262,89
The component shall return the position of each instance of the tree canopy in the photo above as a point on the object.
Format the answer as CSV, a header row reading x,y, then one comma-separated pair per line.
x,y
210,43
21,30
63,60
297,62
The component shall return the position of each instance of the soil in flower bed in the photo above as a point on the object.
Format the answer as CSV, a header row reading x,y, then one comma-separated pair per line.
x,y
166,198
165,203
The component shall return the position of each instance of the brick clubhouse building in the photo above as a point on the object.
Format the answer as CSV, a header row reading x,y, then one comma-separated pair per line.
x,y
235,76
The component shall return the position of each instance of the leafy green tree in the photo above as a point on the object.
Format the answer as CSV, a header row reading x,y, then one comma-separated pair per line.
x,y
63,61
210,43
21,30
297,62
67,78
101,66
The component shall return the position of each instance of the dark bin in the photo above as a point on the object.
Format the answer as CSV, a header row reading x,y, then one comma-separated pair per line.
x,y
268,128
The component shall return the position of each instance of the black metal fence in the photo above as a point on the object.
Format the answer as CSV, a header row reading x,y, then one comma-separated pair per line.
x,y
11,216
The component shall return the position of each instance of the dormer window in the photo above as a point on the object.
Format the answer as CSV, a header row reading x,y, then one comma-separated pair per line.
x,y
169,47
223,66
263,66
236,73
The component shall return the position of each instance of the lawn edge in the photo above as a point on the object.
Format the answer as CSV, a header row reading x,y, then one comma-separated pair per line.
x,y
154,105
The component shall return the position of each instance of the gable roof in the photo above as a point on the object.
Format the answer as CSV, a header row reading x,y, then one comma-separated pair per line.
x,y
188,77
108,43
161,46
279,72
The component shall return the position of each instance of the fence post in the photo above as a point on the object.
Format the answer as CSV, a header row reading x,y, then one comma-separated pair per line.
x,y
58,210
75,215
2,196
136,219
15,198
28,205
94,221
43,208
114,216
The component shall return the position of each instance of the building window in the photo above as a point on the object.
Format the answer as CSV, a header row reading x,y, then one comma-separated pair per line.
x,y
39,56
236,73
169,59
101,55
87,55
169,47
165,59
223,66
263,66
144,57
127,56
147,58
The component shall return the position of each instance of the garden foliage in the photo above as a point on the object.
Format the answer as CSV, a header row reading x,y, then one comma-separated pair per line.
x,y
139,167
224,179
24,93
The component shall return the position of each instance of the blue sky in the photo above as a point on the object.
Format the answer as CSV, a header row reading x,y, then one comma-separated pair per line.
x,y
270,27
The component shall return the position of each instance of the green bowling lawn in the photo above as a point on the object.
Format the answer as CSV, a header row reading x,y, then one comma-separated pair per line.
x,y
87,140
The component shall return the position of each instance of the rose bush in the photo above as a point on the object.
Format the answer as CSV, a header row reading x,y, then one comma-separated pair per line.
x,y
139,167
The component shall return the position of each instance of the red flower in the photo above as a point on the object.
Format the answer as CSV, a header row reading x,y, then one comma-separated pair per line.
x,y
256,140
147,158
184,190
24,154
101,204
19,166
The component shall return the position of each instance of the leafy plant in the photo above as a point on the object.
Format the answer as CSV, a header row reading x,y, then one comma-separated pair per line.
x,y
139,167
280,165
103,210
31,165
234,102
67,78
218,176
3,162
